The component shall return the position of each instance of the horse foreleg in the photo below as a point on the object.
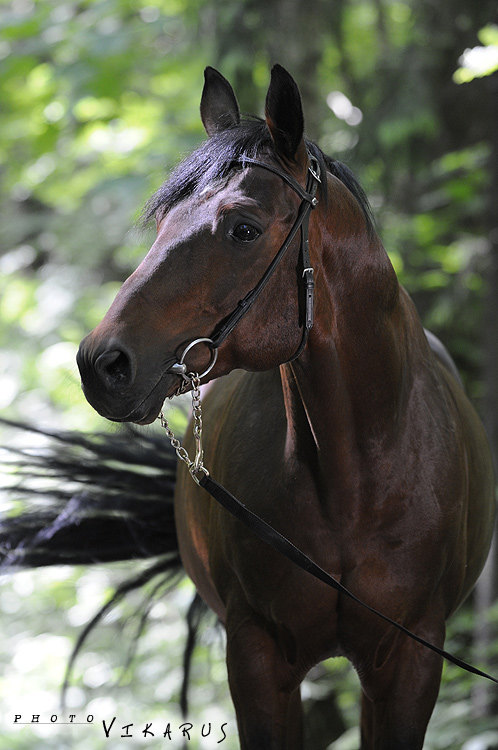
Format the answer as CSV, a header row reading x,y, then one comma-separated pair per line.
x,y
267,702
398,700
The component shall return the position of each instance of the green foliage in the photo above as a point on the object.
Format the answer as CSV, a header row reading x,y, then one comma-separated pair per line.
x,y
480,61
42,613
99,98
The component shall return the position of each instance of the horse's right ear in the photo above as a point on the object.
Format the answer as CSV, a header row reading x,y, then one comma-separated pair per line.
x,y
219,108
284,115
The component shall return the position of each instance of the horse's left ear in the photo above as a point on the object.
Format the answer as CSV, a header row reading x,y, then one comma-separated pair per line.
x,y
284,115
219,108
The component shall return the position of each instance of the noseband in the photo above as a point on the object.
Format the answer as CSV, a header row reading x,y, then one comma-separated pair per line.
x,y
308,202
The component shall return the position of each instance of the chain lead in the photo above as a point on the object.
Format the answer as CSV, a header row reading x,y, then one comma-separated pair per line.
x,y
196,466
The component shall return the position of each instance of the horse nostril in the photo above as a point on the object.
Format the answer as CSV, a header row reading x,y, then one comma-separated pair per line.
x,y
114,367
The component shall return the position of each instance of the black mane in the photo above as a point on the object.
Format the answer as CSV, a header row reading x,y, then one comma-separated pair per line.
x,y
216,158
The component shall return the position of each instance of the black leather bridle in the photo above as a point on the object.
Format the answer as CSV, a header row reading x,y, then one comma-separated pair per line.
x,y
308,203
198,471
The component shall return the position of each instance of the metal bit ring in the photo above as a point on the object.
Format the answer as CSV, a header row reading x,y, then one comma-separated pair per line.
x,y
214,355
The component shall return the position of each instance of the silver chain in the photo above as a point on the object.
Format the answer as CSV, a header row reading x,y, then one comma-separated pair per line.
x,y
196,466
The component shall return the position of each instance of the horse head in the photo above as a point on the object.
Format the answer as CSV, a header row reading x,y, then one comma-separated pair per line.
x,y
220,221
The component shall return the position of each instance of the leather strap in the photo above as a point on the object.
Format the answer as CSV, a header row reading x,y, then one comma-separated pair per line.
x,y
308,202
294,184
268,534
257,525
243,306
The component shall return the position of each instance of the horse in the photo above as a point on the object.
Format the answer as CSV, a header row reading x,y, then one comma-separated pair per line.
x,y
330,412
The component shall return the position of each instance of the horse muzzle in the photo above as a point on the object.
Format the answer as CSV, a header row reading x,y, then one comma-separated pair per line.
x,y
115,385
121,390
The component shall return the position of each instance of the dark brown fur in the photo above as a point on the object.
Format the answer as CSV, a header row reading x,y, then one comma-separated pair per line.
x,y
365,451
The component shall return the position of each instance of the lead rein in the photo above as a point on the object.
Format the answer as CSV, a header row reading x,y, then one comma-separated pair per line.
x,y
267,533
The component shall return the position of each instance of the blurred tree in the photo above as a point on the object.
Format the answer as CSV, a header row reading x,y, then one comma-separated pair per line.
x,y
486,698
100,96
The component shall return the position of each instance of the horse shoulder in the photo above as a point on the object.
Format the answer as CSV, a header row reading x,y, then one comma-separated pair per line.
x,y
240,414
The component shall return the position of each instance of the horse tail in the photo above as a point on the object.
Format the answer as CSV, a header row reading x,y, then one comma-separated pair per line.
x,y
83,499
78,499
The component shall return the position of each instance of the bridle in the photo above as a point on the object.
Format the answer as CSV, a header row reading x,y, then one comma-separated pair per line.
x,y
198,471
308,202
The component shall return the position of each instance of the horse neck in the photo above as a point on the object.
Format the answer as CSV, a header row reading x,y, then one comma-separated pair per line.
x,y
348,385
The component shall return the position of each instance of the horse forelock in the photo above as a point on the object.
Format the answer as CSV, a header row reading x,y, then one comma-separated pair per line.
x,y
217,157
212,161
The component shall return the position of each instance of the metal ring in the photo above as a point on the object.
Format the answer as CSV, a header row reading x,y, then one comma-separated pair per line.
x,y
195,471
214,354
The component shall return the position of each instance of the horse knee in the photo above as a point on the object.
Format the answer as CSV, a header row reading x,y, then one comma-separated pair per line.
x,y
267,701
399,698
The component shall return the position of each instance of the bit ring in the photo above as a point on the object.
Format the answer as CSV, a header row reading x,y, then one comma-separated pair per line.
x,y
214,355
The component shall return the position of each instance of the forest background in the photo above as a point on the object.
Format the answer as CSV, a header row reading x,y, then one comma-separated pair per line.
x,y
98,100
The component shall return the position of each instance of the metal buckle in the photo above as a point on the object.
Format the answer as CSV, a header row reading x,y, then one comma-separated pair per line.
x,y
315,172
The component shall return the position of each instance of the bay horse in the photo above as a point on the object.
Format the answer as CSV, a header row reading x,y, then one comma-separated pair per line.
x,y
344,427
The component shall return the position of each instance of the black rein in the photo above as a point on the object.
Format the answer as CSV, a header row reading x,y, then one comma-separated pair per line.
x,y
257,525
308,202
275,539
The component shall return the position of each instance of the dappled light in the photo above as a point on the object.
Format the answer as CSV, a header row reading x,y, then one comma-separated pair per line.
x,y
100,101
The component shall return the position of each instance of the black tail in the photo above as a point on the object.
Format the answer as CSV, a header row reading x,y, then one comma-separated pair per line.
x,y
83,499
78,499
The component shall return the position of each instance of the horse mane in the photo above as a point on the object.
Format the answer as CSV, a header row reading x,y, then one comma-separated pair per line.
x,y
215,159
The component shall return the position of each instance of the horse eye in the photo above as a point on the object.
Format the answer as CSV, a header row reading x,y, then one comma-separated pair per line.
x,y
245,233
